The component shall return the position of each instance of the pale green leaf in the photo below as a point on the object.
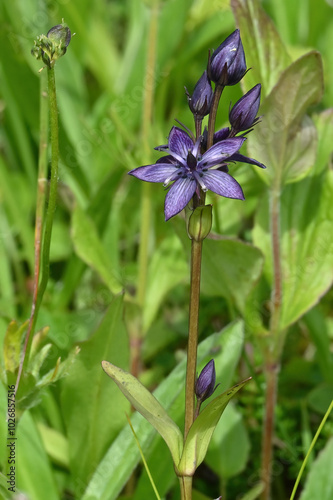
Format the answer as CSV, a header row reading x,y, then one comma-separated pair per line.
x,y
226,262
34,474
92,408
146,404
55,444
167,269
284,142
229,448
201,431
324,124
319,483
90,249
122,457
12,345
254,492
306,243
226,355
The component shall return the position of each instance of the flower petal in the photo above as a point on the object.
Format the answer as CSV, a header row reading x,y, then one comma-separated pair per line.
x,y
245,159
167,159
178,196
221,134
179,142
220,152
159,172
223,184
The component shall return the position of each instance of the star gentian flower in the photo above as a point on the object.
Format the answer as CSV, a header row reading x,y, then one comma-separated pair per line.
x,y
227,65
190,171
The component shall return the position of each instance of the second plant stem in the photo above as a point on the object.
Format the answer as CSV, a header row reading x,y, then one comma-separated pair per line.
x,y
274,348
42,250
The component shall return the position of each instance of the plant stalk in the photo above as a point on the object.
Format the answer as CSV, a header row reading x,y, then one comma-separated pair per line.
x,y
273,351
43,242
196,253
185,483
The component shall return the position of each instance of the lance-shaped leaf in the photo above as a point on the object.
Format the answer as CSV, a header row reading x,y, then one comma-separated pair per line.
x,y
145,403
202,429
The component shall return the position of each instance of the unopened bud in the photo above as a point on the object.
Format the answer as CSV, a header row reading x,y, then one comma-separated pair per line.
x,y
49,48
200,223
227,64
243,114
205,384
201,100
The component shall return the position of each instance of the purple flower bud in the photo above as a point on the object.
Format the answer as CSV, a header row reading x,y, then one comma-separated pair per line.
x,y
205,384
201,99
227,64
243,114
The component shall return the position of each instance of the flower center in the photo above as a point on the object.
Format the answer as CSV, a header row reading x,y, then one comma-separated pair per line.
x,y
191,161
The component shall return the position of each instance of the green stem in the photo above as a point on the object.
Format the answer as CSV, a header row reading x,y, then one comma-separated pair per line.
x,y
52,201
192,335
40,207
185,483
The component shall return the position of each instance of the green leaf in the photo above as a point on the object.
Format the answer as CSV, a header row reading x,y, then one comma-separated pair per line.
x,y
254,492
226,352
318,327
122,457
91,250
93,409
61,369
320,397
224,456
319,483
226,262
202,429
55,444
285,141
145,403
12,345
265,53
34,473
306,243
4,494
167,269
324,124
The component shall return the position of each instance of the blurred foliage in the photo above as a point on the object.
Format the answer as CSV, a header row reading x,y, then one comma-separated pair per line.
x,y
75,426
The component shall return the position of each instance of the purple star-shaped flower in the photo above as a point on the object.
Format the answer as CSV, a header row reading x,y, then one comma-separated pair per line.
x,y
189,170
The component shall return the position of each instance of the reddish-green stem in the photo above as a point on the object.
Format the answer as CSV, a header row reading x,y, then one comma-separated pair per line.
x,y
273,350
193,334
